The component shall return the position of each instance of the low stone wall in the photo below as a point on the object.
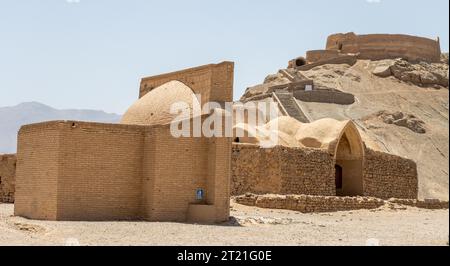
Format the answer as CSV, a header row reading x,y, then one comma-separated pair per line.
x,y
344,59
325,96
317,204
309,204
313,56
389,176
281,170
7,178
423,204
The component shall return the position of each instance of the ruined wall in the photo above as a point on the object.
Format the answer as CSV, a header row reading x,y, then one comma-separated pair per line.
x,y
281,170
389,176
7,177
325,96
319,55
214,82
386,46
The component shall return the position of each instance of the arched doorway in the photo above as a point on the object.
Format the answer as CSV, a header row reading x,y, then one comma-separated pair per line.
x,y
349,163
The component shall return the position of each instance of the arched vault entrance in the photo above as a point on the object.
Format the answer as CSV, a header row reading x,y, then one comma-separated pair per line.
x,y
349,156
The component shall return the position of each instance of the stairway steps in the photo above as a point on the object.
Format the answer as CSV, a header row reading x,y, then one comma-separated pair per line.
x,y
289,104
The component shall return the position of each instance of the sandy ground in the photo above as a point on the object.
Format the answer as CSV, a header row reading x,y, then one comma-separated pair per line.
x,y
249,226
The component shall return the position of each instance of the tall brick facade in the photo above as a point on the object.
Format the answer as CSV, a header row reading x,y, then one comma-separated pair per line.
x,y
212,82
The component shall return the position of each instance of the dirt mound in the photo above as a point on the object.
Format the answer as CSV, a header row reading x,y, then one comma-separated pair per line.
x,y
418,91
424,110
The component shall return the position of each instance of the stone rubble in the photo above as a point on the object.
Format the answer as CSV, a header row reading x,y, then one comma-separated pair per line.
x,y
317,204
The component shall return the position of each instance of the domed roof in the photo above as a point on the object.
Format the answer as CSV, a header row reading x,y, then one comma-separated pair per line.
x,y
322,134
154,107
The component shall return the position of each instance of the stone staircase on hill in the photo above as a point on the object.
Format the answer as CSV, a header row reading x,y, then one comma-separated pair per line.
x,y
290,107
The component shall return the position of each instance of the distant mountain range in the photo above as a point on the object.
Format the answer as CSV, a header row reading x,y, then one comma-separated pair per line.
x,y
12,118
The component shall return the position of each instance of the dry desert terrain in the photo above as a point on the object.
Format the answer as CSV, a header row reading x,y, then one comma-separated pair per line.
x,y
249,226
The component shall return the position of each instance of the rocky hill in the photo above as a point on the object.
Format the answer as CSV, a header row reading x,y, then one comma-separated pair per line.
x,y
399,107
12,118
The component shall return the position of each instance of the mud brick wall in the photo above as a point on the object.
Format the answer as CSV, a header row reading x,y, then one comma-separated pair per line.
x,y
168,198
325,96
100,170
389,176
79,171
70,170
37,172
319,55
7,177
281,170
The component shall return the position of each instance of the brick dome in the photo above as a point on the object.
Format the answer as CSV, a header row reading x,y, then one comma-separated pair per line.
x,y
154,107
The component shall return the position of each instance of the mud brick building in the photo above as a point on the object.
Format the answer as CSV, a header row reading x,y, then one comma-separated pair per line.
x,y
72,170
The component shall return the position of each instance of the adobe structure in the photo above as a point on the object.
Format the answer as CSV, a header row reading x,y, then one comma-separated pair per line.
x,y
323,158
72,170
348,47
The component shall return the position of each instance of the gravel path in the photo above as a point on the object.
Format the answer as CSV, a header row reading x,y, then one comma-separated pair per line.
x,y
249,226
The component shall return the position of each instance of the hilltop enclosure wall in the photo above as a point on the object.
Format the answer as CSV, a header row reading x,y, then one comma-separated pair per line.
x,y
386,46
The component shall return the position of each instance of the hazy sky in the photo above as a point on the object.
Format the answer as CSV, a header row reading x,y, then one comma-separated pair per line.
x,y
92,53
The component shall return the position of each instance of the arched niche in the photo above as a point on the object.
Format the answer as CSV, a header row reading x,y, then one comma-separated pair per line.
x,y
349,157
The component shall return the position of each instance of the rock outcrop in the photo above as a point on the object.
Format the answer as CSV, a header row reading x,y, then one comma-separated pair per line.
x,y
403,120
421,74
